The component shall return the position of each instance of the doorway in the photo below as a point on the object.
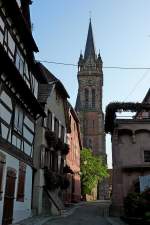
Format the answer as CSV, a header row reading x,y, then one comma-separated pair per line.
x,y
9,196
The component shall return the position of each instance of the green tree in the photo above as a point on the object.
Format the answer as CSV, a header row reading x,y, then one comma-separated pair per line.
x,y
93,170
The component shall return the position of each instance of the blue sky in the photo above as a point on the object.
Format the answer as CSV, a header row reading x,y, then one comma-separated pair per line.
x,y
121,32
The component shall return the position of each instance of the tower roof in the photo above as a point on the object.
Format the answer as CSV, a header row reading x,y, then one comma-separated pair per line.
x,y
89,48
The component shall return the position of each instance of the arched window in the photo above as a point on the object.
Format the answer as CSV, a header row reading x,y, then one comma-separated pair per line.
x,y
86,93
93,98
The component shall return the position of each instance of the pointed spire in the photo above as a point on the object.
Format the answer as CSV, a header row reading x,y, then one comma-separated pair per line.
x,y
89,48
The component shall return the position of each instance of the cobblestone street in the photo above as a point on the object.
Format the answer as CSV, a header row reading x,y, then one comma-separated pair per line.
x,y
87,214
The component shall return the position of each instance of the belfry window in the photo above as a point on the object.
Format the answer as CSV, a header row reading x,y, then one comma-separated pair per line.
x,y
93,98
86,93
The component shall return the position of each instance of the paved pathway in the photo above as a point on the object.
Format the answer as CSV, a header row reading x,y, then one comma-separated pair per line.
x,y
87,214
84,213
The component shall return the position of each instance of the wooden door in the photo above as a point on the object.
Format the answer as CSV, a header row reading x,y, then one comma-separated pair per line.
x,y
9,196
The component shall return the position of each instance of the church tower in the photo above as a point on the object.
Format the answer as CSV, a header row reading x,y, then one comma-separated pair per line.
x,y
89,98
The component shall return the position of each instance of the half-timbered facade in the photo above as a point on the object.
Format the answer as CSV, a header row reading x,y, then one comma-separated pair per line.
x,y
50,145
19,109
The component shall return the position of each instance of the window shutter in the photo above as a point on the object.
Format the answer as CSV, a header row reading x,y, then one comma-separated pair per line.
x,y
21,181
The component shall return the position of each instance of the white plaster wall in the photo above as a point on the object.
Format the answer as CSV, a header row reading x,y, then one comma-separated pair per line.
x,y
56,107
21,210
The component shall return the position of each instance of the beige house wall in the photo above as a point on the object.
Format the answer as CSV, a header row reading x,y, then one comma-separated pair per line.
x,y
129,141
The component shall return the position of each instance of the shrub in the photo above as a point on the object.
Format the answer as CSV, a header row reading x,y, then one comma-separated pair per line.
x,y
138,204
52,180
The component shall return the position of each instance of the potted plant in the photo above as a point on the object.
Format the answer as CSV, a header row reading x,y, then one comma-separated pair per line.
x,y
51,138
52,180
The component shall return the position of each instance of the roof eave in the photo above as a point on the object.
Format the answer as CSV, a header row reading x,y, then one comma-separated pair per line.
x,y
19,21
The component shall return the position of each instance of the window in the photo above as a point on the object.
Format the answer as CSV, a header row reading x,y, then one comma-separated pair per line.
x,y
28,135
1,30
34,86
2,164
21,181
1,37
93,123
93,98
49,120
5,114
18,121
6,99
19,62
27,149
4,131
86,93
56,127
26,75
51,160
29,123
147,156
62,133
9,44
85,124
2,25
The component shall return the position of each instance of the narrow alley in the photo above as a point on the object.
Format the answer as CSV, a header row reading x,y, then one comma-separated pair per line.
x,y
91,213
